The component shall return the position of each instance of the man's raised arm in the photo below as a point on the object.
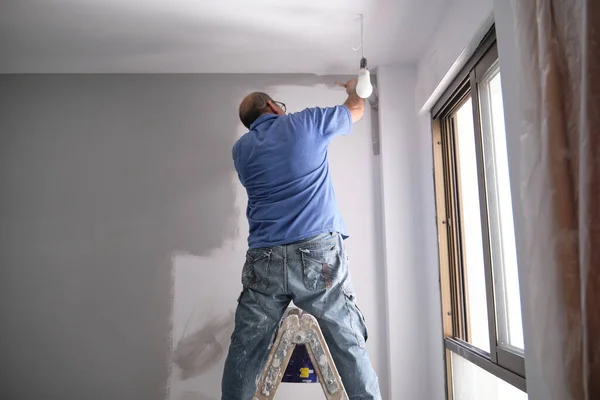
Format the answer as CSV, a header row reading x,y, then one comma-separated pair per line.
x,y
355,104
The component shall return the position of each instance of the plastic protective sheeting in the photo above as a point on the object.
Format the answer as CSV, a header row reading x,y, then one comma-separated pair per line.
x,y
558,48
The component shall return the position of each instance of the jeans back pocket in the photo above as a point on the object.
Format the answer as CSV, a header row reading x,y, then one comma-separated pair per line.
x,y
320,267
255,274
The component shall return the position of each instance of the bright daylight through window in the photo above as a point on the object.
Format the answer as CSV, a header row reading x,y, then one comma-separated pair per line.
x,y
504,252
477,317
472,382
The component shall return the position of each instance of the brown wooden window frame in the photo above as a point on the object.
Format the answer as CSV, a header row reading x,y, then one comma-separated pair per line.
x,y
504,363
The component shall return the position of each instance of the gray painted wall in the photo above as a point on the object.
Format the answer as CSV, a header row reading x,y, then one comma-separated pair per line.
x,y
110,185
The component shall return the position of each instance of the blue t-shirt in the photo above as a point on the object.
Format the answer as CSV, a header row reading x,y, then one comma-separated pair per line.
x,y
282,162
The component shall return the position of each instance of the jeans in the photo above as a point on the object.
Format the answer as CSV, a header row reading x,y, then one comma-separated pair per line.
x,y
314,274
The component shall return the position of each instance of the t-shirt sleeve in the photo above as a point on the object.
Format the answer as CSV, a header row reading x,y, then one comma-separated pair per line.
x,y
328,122
234,155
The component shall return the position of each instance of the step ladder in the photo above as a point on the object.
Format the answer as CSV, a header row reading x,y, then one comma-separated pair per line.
x,y
298,327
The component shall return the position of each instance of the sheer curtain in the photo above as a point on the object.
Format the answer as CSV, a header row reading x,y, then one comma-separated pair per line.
x,y
558,48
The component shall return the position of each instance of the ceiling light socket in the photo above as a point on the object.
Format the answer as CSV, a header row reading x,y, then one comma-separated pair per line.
x,y
363,63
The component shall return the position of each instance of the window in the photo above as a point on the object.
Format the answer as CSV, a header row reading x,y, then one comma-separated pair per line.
x,y
473,382
478,260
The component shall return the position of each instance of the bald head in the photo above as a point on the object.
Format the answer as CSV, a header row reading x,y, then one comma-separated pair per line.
x,y
254,105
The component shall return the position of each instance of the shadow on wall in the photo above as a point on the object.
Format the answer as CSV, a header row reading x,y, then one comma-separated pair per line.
x,y
103,178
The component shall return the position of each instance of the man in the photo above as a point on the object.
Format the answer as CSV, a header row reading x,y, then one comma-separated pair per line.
x,y
296,243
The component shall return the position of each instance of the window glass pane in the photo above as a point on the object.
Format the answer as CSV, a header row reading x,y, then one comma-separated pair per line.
x,y
469,382
502,231
470,224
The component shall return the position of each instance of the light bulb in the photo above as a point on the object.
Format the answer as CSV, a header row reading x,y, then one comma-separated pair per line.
x,y
364,87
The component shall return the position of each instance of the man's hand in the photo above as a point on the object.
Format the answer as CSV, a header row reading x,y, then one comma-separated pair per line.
x,y
351,86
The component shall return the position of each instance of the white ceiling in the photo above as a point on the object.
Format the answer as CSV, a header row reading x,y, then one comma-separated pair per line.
x,y
232,36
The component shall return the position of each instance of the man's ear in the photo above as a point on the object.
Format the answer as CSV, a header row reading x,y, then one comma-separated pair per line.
x,y
274,108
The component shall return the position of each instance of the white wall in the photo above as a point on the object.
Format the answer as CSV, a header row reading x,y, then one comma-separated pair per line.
x,y
416,353
454,41
509,67
123,231
450,47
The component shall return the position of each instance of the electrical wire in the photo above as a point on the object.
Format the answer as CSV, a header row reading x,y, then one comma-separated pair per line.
x,y
362,37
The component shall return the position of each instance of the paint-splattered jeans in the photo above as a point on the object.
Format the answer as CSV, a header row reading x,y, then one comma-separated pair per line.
x,y
314,274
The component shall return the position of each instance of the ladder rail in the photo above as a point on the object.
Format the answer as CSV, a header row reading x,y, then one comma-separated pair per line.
x,y
301,328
